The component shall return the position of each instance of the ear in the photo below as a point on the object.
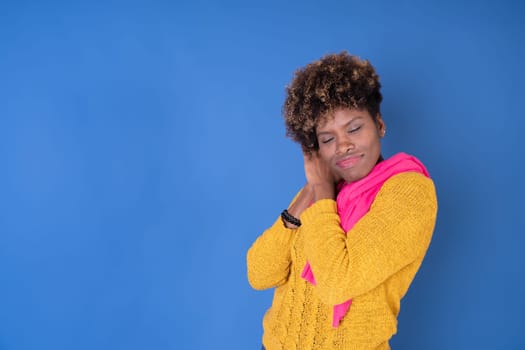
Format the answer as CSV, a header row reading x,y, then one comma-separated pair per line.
x,y
380,123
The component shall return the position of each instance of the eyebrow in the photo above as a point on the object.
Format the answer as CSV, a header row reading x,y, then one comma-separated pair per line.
x,y
346,125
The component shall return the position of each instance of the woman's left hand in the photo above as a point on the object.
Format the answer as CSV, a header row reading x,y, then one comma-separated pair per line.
x,y
319,176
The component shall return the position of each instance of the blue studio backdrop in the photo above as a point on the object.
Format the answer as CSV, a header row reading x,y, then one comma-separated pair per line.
x,y
143,151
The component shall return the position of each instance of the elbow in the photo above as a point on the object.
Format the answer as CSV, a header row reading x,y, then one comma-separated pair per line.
x,y
251,274
333,296
337,290
259,281
332,291
255,276
255,282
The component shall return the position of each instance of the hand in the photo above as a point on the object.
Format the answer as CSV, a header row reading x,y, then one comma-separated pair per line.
x,y
319,176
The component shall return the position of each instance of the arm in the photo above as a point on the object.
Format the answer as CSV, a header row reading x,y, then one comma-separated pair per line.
x,y
393,234
269,258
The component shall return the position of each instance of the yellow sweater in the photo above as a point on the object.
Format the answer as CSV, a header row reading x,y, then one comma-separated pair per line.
x,y
373,264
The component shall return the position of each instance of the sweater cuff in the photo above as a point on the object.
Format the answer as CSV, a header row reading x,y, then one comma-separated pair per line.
x,y
324,209
279,225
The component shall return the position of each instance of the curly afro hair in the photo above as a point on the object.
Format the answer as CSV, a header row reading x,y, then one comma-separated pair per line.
x,y
334,81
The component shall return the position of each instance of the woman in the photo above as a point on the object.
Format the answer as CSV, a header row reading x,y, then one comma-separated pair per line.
x,y
345,251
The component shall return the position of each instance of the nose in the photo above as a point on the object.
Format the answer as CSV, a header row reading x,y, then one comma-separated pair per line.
x,y
345,146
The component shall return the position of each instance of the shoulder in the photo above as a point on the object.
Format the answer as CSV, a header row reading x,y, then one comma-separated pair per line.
x,y
407,180
409,188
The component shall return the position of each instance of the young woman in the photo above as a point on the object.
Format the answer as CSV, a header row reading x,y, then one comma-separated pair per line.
x,y
345,251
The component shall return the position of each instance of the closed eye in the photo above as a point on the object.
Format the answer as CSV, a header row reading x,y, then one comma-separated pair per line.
x,y
354,129
327,140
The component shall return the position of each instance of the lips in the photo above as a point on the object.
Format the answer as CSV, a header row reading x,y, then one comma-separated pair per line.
x,y
347,162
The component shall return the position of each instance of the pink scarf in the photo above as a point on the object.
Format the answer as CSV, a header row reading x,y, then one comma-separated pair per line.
x,y
354,201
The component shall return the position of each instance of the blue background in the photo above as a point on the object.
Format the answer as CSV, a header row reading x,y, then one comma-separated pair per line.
x,y
143,151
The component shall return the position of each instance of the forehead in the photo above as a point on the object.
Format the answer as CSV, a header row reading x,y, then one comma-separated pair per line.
x,y
342,116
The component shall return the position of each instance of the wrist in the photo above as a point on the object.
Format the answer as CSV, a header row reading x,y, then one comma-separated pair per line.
x,y
289,220
302,202
323,191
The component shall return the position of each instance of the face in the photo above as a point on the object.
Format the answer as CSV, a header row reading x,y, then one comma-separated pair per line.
x,y
350,142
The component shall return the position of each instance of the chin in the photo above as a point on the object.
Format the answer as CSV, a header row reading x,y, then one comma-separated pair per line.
x,y
352,178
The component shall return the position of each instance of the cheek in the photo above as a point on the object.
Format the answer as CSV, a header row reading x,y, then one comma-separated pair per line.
x,y
374,142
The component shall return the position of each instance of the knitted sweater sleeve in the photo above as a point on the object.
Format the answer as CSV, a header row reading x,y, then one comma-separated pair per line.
x,y
394,233
269,257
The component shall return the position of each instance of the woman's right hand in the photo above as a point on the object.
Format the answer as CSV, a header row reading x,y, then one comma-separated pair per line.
x,y
319,177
